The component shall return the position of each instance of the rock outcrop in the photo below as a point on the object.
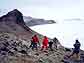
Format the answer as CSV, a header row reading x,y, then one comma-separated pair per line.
x,y
13,22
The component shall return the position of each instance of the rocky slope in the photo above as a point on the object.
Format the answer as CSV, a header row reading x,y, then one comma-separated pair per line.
x,y
34,21
15,50
13,22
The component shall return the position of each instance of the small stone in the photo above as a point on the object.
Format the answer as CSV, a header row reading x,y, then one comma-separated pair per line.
x,y
67,49
37,54
40,60
23,52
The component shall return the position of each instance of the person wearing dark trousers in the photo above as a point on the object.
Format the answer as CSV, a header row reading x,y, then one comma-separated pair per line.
x,y
50,45
35,42
35,46
76,49
55,41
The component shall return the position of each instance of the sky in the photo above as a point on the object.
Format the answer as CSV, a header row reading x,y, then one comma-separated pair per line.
x,y
47,9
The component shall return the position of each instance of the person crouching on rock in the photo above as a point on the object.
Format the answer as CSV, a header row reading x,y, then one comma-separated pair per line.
x,y
76,49
35,42
50,45
45,43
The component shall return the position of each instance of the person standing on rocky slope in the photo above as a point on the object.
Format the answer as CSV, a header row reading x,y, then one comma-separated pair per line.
x,y
35,41
55,42
76,49
45,43
50,45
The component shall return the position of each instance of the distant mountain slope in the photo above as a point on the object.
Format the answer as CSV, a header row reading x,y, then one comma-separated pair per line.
x,y
13,22
74,19
34,21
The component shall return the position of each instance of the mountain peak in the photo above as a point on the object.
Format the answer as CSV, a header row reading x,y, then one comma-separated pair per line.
x,y
13,16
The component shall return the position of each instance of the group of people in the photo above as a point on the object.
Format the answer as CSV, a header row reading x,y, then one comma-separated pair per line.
x,y
45,42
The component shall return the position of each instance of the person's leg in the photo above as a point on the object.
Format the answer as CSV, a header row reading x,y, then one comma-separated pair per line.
x,y
42,47
55,45
33,46
78,56
36,46
51,47
72,54
39,44
46,46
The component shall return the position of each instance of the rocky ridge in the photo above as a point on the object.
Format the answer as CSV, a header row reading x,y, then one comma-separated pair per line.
x,y
12,47
13,22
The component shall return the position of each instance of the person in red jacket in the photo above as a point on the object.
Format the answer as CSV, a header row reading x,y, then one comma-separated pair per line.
x,y
35,41
45,43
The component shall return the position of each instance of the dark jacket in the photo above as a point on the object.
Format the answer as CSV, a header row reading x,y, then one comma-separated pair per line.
x,y
77,46
50,43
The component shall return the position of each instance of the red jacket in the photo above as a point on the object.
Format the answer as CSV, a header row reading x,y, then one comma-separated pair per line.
x,y
35,39
45,41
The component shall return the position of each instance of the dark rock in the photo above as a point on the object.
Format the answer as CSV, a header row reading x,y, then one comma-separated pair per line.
x,y
11,53
6,44
37,54
64,61
82,57
14,15
46,51
41,60
3,52
23,52
4,49
15,49
6,37
13,22
67,49
47,54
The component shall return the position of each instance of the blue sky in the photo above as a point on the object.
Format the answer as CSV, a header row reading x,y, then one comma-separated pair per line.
x,y
47,9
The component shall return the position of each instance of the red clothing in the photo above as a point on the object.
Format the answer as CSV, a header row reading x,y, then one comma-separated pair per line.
x,y
45,42
35,39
